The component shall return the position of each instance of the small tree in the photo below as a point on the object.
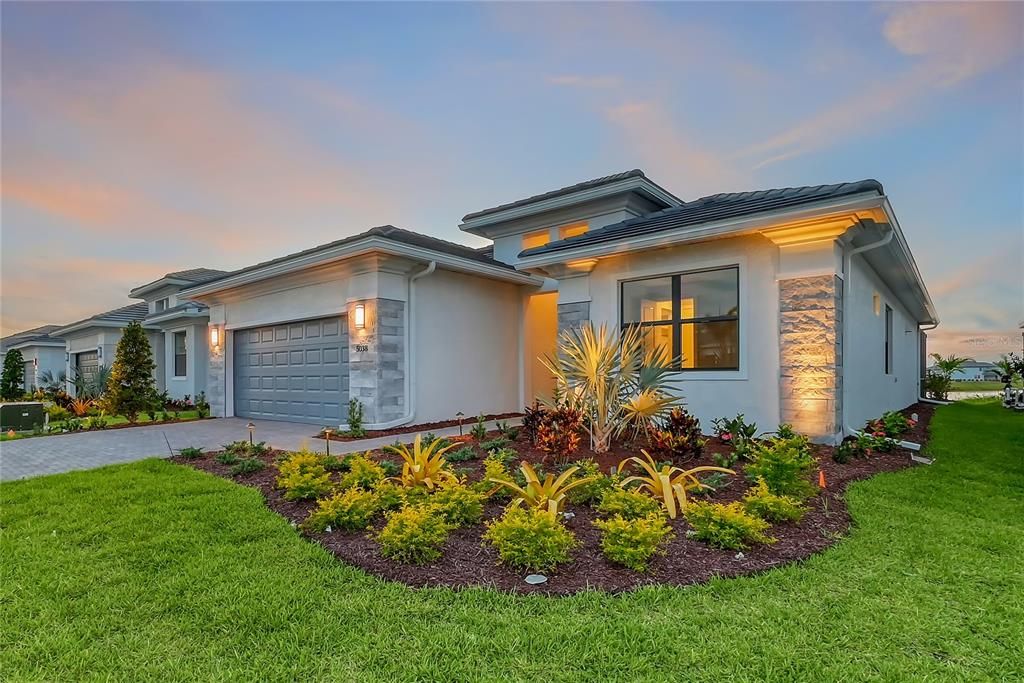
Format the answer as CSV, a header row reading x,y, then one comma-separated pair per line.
x,y
130,388
13,375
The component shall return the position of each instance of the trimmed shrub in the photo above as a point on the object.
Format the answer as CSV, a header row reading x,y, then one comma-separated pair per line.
x,y
363,472
191,452
227,458
247,466
784,465
632,542
627,504
729,527
461,455
761,502
593,490
351,510
459,505
302,476
390,496
414,534
494,468
530,538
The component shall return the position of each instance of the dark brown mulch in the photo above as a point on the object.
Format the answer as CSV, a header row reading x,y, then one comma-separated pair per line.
x,y
469,561
467,422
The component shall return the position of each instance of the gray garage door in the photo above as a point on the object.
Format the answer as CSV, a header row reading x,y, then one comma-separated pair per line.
x,y
296,372
88,362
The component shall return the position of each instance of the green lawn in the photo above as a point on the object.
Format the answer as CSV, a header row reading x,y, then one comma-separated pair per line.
x,y
112,420
152,571
981,386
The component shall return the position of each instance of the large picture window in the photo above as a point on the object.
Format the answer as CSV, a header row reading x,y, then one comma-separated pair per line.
x,y
180,355
695,316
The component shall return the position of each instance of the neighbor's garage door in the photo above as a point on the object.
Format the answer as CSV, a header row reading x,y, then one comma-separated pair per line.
x,y
88,362
296,372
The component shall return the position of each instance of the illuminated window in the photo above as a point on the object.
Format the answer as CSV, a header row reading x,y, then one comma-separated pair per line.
x,y
876,303
567,231
695,316
532,240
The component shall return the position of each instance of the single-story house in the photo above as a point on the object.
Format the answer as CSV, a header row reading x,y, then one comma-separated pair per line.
x,y
180,326
42,351
975,371
800,305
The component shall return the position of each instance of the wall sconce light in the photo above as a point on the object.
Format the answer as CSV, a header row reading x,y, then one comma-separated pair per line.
x,y
359,315
214,336
99,353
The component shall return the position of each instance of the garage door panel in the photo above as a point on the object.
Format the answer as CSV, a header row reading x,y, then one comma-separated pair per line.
x,y
297,371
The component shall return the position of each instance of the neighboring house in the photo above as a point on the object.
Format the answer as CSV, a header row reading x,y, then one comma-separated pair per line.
x,y
181,326
42,351
92,343
800,305
975,371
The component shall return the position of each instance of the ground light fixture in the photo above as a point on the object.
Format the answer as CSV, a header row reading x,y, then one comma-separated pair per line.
x,y
536,579
460,415
359,315
327,437
252,428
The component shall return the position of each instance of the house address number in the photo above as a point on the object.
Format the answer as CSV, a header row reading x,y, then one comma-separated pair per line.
x,y
362,348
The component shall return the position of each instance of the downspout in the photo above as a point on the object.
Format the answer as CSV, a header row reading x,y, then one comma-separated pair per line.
x,y
410,350
848,255
920,393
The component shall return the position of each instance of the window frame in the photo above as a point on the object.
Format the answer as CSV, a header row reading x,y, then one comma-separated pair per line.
x,y
889,315
676,322
161,305
183,354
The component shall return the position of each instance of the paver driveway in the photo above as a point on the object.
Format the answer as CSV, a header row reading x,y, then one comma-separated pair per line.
x,y
85,450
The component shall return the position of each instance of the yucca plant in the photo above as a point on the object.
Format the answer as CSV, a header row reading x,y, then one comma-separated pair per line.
x,y
669,484
613,379
546,495
424,465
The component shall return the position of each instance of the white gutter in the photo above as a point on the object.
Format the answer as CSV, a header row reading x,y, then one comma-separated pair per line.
x,y
410,347
848,255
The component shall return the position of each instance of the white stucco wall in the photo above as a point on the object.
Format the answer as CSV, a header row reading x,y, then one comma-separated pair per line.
x,y
49,358
868,390
752,390
467,346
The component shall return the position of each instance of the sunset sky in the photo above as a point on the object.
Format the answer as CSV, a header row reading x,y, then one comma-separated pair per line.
x,y
144,138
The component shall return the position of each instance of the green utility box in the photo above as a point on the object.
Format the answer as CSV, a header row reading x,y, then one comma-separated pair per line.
x,y
22,416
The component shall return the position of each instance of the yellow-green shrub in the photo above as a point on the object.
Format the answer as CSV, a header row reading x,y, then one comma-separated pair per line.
x,y
352,509
390,496
302,475
761,502
363,472
784,465
726,526
414,534
632,542
494,468
627,504
591,491
460,506
530,538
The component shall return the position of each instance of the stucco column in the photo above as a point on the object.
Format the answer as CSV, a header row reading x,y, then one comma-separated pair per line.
x,y
810,354
573,293
216,369
377,359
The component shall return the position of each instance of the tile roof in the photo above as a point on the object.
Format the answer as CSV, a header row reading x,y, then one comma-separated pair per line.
x,y
41,333
578,187
709,209
196,274
125,314
389,232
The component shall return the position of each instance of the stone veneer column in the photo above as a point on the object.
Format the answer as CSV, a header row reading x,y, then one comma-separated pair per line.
x,y
810,354
572,315
377,361
215,377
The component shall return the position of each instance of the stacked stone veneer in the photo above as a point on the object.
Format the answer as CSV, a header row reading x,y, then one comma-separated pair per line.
x,y
810,354
572,315
377,361
215,384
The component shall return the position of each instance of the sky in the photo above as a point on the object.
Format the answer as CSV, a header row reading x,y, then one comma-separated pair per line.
x,y
139,139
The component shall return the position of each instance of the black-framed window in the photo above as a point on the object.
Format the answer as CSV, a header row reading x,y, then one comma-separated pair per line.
x,y
695,316
180,355
888,339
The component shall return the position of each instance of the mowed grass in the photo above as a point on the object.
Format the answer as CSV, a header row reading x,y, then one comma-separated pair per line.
x,y
152,571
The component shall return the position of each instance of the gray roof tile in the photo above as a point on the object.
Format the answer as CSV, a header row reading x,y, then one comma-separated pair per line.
x,y
709,209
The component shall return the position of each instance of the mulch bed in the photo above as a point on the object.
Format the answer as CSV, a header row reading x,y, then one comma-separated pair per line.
x,y
424,427
469,561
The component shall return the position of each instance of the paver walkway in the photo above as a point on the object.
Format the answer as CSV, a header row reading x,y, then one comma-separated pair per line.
x,y
85,450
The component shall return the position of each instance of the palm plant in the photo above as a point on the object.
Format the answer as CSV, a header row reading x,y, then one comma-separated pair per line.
x,y
611,377
949,364
52,382
669,483
91,384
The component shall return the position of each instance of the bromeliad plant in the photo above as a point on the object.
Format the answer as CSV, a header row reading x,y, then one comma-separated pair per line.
x,y
548,495
613,379
669,484
424,464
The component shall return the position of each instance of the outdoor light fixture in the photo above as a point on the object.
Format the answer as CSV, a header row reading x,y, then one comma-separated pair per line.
x,y
214,336
359,314
327,437
252,428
